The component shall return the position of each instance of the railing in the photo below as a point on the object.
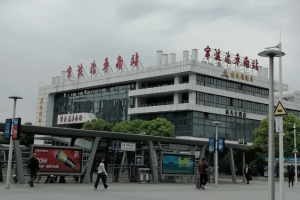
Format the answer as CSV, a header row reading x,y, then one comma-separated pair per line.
x,y
156,104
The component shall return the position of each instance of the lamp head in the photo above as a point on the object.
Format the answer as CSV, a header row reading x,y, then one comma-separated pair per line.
x,y
15,97
216,122
271,53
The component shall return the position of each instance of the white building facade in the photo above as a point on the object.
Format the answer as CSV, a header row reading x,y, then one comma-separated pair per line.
x,y
190,93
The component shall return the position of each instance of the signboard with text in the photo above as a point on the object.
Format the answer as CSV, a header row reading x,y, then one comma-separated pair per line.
x,y
221,144
56,159
75,118
16,129
124,146
7,129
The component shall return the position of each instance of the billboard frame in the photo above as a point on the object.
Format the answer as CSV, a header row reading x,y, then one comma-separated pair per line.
x,y
182,154
59,147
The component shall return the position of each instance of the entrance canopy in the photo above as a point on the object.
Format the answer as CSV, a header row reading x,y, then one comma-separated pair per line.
x,y
79,133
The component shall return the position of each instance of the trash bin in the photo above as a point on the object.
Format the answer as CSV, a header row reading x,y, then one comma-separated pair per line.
x,y
143,175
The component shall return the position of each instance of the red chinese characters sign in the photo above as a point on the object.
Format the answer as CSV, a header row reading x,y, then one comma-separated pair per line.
x,y
69,72
59,160
119,64
80,70
93,68
70,118
106,65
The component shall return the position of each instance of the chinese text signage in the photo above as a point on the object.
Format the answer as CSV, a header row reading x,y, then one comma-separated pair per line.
x,y
237,75
235,113
75,118
59,160
124,146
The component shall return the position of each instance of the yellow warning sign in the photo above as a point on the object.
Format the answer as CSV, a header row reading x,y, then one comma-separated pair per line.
x,y
280,110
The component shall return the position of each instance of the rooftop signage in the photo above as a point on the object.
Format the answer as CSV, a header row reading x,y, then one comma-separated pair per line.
x,y
135,63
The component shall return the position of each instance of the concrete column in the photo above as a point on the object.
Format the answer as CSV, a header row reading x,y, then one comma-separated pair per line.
x,y
177,80
91,160
159,55
192,97
137,102
19,162
195,55
153,162
175,98
193,79
172,58
232,166
185,56
138,85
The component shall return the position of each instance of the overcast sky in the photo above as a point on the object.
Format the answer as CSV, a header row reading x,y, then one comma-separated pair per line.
x,y
39,39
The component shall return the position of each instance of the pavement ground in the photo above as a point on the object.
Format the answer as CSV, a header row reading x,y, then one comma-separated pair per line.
x,y
145,191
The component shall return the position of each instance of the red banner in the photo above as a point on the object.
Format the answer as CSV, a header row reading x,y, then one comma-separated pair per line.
x,y
59,160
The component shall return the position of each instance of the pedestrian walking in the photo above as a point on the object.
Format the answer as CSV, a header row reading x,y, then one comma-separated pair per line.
x,y
33,165
247,173
291,176
203,173
101,174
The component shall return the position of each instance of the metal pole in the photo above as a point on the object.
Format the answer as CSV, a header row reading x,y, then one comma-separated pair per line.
x,y
295,144
281,149
7,186
271,131
244,166
216,157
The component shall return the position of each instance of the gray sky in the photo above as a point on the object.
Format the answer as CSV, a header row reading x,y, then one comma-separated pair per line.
x,y
38,39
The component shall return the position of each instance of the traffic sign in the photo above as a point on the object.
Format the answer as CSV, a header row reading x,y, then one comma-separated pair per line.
x,y
295,151
280,110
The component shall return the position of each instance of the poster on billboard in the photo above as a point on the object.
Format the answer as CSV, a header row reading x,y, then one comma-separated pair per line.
x,y
221,144
178,164
57,159
211,145
7,129
16,129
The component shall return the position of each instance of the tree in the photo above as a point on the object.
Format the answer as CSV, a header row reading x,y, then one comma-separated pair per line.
x,y
97,125
156,127
261,142
160,127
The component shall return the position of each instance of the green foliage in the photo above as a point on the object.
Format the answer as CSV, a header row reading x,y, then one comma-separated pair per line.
x,y
98,125
160,127
156,127
261,142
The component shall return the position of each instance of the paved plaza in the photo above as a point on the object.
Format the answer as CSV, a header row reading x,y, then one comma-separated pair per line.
x,y
135,191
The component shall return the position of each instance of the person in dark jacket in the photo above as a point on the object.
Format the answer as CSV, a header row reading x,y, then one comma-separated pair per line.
x,y
203,173
247,173
33,165
291,175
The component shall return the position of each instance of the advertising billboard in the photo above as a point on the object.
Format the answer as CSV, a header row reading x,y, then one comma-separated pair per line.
x,y
211,145
7,129
221,144
16,129
56,159
177,164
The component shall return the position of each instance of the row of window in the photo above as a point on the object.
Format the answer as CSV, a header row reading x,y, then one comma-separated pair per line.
x,y
231,103
232,86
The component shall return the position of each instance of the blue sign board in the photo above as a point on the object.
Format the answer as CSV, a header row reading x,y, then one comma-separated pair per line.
x,y
7,129
117,146
211,145
285,159
221,144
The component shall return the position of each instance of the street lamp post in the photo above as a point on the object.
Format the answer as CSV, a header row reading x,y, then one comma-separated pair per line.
x,y
295,144
271,53
216,153
7,186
